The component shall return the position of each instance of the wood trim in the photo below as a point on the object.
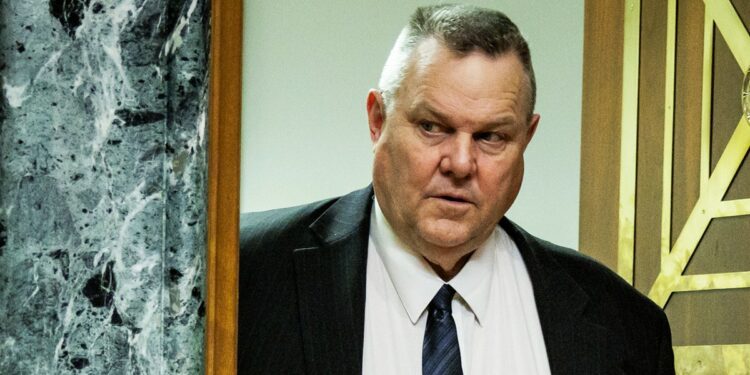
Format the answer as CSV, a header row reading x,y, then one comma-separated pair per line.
x,y
600,129
223,187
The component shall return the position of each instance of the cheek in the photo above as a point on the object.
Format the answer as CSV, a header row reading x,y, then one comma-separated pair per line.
x,y
391,170
410,163
421,164
503,180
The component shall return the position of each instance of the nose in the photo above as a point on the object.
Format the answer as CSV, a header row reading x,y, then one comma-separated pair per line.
x,y
458,157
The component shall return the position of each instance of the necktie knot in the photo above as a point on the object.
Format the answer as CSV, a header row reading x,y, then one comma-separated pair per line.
x,y
440,306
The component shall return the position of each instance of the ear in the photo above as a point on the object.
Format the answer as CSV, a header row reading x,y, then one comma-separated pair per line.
x,y
531,130
375,114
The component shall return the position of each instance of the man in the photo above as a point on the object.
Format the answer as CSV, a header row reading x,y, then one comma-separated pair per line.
x,y
421,272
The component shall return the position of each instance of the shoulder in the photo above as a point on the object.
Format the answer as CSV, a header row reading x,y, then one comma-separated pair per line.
x,y
604,286
611,300
259,228
599,279
268,240
304,225
637,327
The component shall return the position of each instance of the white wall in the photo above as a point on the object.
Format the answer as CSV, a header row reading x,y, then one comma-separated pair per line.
x,y
307,69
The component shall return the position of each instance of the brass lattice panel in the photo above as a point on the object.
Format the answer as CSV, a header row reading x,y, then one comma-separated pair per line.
x,y
679,239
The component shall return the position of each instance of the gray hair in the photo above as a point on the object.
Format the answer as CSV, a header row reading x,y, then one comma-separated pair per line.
x,y
462,29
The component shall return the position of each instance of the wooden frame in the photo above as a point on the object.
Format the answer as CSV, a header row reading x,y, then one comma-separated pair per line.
x,y
602,98
223,187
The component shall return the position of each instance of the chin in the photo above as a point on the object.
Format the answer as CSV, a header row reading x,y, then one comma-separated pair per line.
x,y
445,236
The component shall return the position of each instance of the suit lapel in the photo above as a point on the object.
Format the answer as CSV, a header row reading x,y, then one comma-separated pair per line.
x,y
574,343
331,286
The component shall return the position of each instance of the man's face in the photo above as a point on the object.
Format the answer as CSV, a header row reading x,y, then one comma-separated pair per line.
x,y
449,154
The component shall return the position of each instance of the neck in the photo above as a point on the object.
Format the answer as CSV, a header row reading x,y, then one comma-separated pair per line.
x,y
448,270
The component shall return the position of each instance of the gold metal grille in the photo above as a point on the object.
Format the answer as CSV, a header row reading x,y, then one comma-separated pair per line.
x,y
719,14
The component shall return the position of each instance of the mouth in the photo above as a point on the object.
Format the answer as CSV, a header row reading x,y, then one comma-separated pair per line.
x,y
452,198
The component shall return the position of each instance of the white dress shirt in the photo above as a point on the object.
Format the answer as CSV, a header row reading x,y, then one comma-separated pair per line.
x,y
494,309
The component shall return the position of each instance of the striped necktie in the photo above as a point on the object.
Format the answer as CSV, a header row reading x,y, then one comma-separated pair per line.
x,y
440,353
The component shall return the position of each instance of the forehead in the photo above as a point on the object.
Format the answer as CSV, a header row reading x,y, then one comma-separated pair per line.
x,y
474,81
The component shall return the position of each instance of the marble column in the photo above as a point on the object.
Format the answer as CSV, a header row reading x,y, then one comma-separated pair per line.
x,y
103,186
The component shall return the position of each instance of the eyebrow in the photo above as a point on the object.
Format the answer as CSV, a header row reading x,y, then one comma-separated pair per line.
x,y
422,106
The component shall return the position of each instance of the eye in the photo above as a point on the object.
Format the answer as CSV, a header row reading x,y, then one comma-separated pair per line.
x,y
491,137
429,127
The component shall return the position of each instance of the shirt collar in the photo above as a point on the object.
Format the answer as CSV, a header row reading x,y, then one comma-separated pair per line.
x,y
416,283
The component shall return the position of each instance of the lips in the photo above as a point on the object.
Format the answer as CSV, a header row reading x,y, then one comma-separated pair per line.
x,y
453,197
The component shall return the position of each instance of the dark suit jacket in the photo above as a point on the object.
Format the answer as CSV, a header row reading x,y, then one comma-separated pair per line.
x,y
302,298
